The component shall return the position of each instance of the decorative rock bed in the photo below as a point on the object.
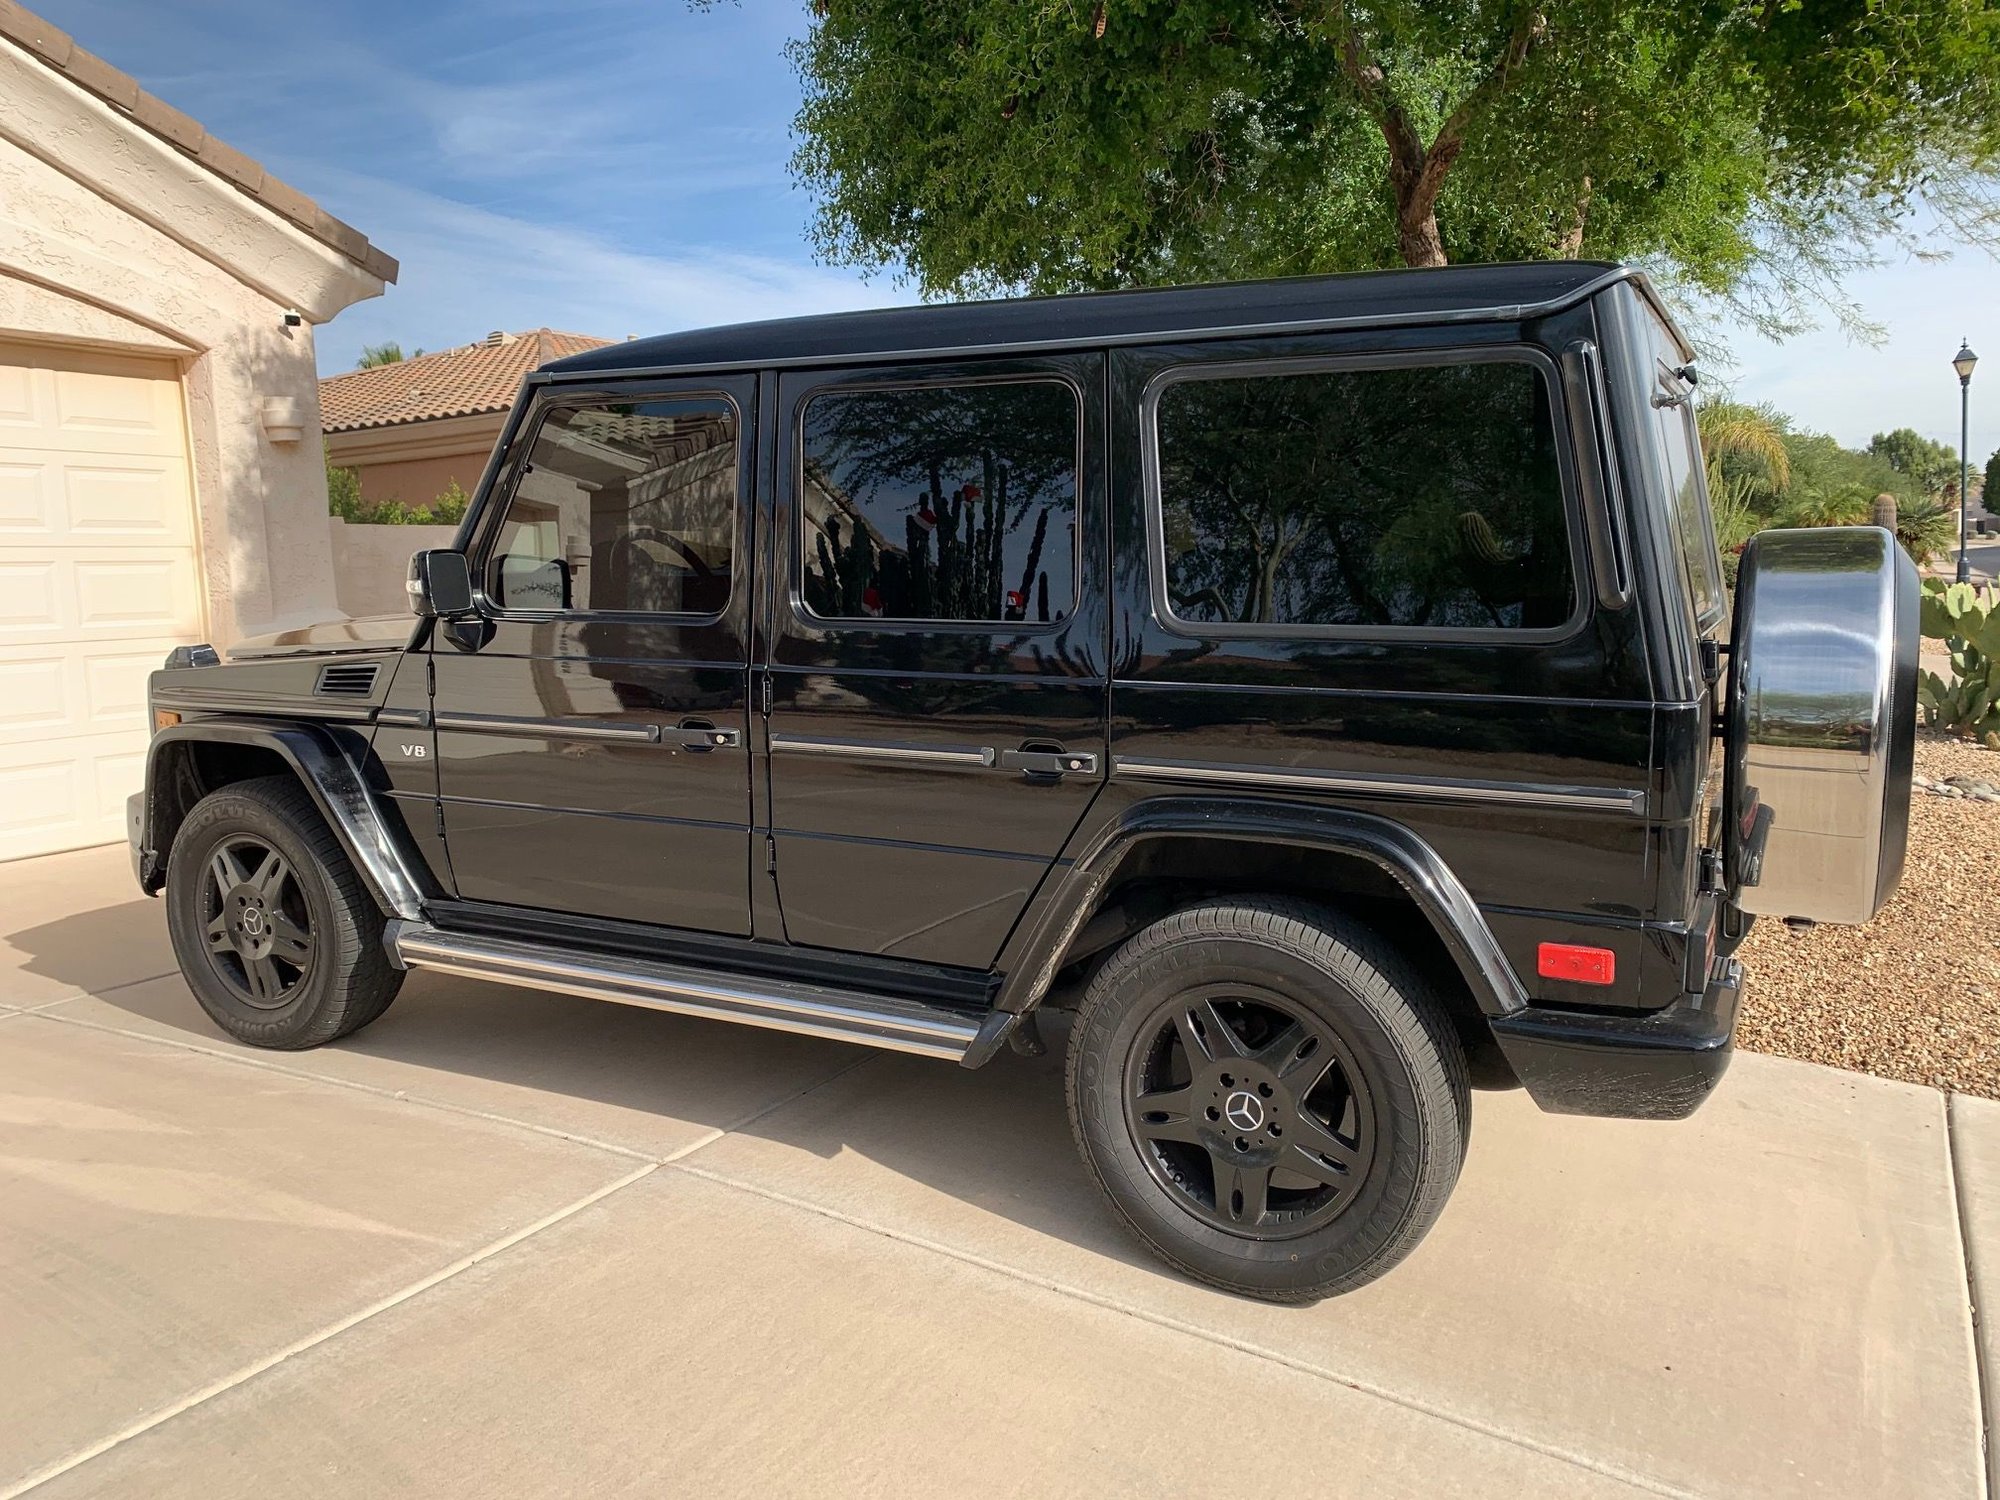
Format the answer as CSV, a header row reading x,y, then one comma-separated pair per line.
x,y
1915,994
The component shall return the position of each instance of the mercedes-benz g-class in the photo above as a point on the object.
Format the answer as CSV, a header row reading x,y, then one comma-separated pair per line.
x,y
1325,689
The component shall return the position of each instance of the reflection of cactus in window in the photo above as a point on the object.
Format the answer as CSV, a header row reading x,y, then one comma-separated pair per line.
x,y
990,466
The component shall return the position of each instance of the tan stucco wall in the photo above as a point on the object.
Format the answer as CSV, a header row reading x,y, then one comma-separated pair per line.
x,y
108,235
418,481
370,564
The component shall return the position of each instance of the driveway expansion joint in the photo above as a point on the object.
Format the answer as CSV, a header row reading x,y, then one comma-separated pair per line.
x,y
403,1096
1600,1467
333,1330
1986,1378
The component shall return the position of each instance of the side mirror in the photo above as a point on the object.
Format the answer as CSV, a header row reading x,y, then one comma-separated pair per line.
x,y
440,585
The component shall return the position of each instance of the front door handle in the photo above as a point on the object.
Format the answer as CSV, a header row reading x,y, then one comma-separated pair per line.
x,y
1049,762
699,734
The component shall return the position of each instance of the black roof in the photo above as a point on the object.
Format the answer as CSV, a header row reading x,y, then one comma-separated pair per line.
x,y
1449,293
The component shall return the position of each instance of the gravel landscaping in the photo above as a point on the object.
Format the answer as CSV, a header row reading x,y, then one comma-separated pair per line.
x,y
1915,994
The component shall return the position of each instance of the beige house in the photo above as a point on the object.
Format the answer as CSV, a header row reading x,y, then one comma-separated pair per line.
x,y
160,472
414,428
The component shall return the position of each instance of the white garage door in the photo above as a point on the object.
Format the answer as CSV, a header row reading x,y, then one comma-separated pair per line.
x,y
98,579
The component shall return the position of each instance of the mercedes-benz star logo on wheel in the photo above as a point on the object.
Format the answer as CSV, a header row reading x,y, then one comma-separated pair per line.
x,y
253,921
1244,1110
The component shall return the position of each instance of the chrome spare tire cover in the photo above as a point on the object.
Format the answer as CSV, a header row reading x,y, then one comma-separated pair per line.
x,y
1821,723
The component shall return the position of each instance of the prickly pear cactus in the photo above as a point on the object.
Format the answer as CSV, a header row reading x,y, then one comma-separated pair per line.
x,y
1968,620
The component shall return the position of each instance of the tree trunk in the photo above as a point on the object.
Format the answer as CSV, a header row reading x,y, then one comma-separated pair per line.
x,y
1570,246
1417,238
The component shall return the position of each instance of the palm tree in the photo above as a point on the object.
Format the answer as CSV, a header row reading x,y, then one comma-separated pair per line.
x,y
383,354
1743,442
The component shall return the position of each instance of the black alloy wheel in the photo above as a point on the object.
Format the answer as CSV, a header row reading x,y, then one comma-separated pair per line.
x,y
1271,1094
256,921
1250,1111
276,935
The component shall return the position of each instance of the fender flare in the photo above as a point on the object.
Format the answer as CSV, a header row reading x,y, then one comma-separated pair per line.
x,y
326,766
1061,908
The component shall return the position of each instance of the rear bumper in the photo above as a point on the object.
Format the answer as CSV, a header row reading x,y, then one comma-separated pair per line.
x,y
1658,1066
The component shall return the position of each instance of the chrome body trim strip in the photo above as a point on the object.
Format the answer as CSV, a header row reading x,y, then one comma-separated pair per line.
x,y
812,1010
887,750
411,718
550,729
1529,794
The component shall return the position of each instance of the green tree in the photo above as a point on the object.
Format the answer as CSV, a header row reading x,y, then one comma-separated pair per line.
x,y
383,354
1929,465
1744,145
1989,494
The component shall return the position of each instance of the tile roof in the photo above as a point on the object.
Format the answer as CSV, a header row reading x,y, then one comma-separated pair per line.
x,y
459,382
94,75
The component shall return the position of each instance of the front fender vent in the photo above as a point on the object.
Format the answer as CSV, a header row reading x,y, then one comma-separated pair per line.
x,y
347,679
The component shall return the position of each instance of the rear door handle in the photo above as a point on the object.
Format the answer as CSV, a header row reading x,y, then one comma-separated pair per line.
x,y
699,734
1049,762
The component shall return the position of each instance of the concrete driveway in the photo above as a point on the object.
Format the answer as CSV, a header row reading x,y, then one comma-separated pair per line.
x,y
511,1243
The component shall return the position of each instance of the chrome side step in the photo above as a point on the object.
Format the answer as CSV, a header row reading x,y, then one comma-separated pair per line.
x,y
783,1005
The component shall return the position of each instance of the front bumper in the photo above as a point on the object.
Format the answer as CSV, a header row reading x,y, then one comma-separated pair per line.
x,y
1655,1066
135,837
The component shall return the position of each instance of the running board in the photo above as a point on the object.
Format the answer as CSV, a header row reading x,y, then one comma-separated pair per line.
x,y
890,1021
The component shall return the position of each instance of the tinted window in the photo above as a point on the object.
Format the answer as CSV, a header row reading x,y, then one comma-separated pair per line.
x,y
1386,497
624,506
941,503
1687,485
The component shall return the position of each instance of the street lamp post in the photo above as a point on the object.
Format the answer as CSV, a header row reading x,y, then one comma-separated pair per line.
x,y
1963,362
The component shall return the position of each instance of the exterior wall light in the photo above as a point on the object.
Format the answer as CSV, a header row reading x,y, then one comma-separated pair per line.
x,y
284,420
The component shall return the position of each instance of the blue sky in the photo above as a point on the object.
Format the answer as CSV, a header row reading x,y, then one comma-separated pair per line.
x,y
619,166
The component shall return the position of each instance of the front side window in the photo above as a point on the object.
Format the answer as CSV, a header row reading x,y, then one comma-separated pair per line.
x,y
623,507
946,502
1424,496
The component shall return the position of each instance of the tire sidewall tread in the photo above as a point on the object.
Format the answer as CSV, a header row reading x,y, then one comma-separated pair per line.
x,y
1384,1009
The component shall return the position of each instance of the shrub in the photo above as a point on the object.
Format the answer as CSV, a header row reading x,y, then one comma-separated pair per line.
x,y
1969,621
343,499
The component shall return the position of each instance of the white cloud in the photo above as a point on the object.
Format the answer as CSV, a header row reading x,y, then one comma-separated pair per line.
x,y
467,270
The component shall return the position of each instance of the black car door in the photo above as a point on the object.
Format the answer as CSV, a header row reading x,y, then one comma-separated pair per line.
x,y
591,718
937,647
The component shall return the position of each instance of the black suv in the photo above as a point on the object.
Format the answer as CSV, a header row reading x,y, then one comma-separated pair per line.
x,y
1319,687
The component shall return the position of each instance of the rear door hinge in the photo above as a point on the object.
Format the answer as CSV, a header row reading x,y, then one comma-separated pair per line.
x,y
764,693
770,855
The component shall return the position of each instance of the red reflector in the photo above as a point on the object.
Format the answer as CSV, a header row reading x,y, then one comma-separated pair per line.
x,y
1581,965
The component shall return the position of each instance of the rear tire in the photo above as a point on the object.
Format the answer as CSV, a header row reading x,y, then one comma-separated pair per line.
x,y
275,934
1271,1095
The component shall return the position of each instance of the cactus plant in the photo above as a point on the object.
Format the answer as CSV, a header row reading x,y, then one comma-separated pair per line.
x,y
1968,620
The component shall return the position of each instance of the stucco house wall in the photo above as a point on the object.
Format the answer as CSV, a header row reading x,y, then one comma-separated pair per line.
x,y
418,481
126,228
370,563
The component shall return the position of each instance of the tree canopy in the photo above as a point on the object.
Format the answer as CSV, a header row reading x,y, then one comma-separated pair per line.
x,y
1747,147
1930,465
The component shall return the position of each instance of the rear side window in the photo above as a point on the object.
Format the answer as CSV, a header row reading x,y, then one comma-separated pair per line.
x,y
941,502
626,507
1421,497
1687,486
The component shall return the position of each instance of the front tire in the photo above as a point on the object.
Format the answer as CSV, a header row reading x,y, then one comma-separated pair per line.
x,y
275,934
1270,1095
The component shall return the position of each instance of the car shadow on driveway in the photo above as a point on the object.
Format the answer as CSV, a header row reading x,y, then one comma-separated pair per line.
x,y
799,1117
